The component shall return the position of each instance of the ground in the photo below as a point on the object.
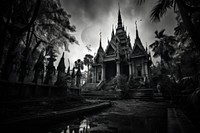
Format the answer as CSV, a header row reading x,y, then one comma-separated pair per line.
x,y
123,117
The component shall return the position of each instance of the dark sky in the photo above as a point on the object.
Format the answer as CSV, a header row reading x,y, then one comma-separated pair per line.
x,y
94,16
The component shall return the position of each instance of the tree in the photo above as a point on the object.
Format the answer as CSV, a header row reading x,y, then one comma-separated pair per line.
x,y
163,47
52,28
79,67
88,60
79,64
189,12
49,27
19,16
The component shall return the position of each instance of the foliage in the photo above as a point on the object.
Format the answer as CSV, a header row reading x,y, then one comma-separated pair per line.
x,y
88,60
28,27
133,83
53,25
189,12
121,83
163,46
79,64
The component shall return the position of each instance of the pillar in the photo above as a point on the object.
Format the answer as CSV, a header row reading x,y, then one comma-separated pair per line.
x,y
146,70
94,75
103,72
143,69
133,68
118,68
130,69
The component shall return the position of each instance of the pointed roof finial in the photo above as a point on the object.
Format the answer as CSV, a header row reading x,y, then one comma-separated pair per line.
x,y
146,47
136,29
112,32
119,17
100,46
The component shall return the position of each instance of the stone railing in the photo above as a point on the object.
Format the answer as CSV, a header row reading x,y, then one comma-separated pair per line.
x,y
100,84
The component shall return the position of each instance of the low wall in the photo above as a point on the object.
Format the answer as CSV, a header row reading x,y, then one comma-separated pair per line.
x,y
29,90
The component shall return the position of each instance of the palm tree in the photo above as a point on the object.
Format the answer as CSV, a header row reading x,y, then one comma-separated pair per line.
x,y
88,60
163,47
188,11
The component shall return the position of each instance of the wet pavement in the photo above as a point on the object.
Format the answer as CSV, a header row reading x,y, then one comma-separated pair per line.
x,y
125,116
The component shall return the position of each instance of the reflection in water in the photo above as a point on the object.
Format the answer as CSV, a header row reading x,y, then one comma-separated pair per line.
x,y
82,127
123,117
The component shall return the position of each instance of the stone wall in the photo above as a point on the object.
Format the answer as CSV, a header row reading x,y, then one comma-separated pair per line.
x,y
29,90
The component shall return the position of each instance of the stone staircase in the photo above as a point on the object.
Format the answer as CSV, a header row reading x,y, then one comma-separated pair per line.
x,y
103,95
146,94
89,86
109,85
142,93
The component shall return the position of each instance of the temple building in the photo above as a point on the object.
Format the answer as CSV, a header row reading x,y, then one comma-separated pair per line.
x,y
120,58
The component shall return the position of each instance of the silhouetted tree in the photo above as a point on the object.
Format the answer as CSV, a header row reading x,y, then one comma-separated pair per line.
x,y
163,47
189,12
88,60
79,67
49,26
20,16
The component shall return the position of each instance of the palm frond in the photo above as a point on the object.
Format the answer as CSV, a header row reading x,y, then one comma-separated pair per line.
x,y
139,2
155,44
160,9
161,33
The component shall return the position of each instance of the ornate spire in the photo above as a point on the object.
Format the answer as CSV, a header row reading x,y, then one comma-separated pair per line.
x,y
137,36
68,71
100,40
73,73
146,47
100,45
129,36
112,32
61,65
119,17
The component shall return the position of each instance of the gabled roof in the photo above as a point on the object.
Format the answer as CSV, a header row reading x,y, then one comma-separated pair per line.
x,y
138,44
111,44
138,47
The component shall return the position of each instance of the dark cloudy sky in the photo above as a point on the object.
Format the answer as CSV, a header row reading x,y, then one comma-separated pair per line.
x,y
92,16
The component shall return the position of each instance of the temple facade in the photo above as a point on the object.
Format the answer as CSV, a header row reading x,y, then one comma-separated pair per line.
x,y
120,57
